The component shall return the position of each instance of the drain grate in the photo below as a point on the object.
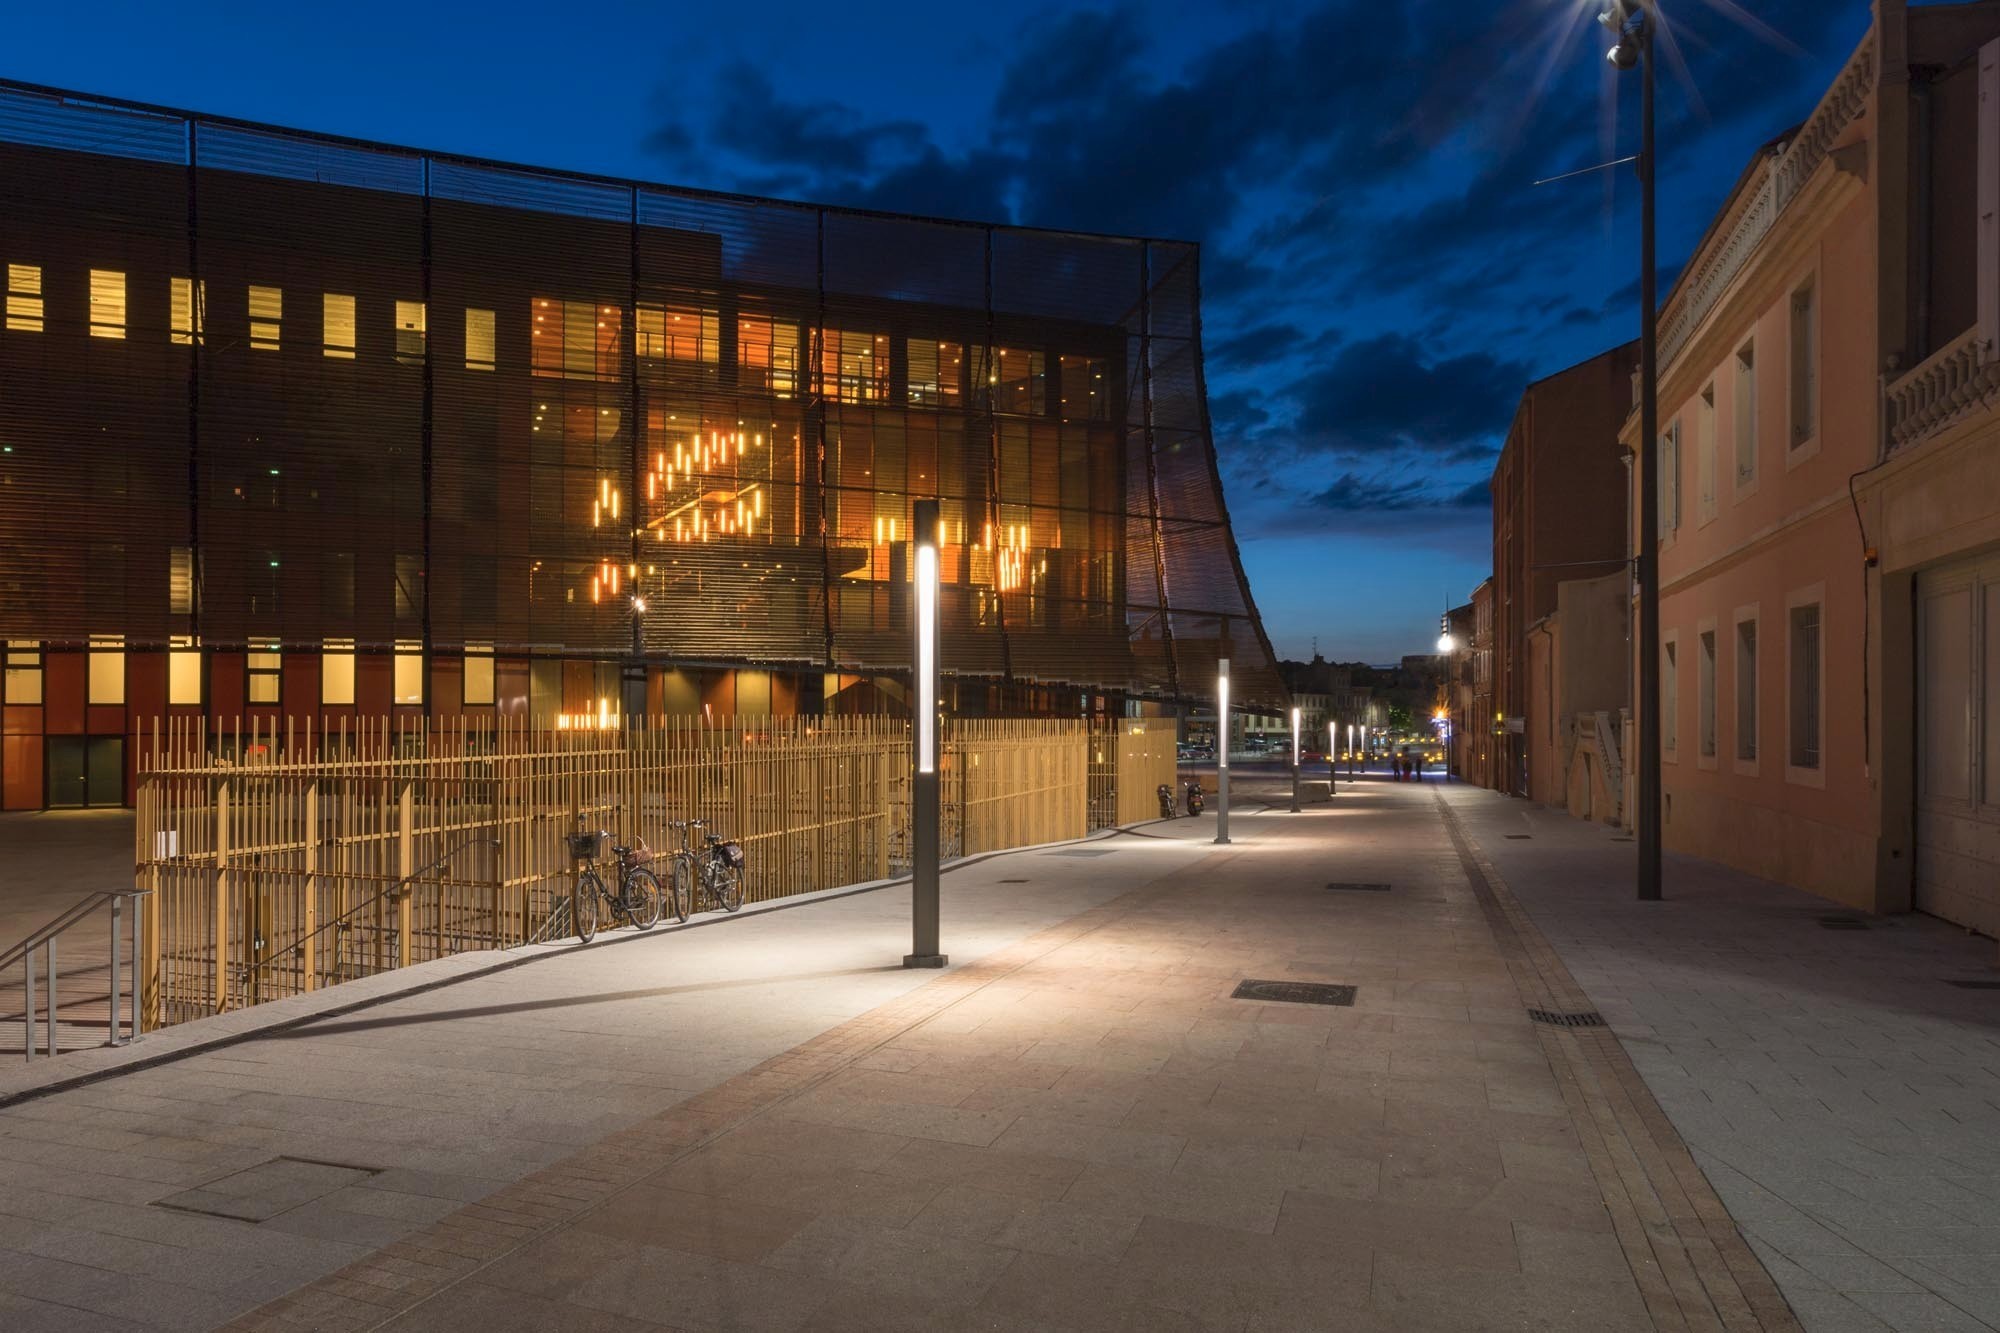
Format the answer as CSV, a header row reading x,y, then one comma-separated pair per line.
x,y
1082,851
1347,887
1013,881
1517,837
1974,985
1294,992
1588,1018
260,1193
1621,839
1842,923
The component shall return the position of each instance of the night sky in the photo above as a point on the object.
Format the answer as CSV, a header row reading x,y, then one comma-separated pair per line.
x,y
1381,274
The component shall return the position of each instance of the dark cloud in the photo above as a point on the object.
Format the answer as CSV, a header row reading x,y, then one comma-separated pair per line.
x,y
1382,395
1263,343
1350,491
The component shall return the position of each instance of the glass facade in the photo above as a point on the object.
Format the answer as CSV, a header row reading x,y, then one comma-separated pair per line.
x,y
288,391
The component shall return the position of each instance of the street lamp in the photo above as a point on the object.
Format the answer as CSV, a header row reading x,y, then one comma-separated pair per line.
x,y
1631,23
1222,750
1295,758
924,745
1332,757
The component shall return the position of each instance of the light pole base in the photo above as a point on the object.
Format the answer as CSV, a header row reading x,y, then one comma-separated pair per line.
x,y
925,960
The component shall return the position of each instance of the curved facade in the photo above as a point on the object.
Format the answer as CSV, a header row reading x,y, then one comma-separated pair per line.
x,y
297,425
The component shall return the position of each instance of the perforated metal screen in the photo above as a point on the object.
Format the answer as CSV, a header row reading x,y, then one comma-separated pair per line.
x,y
350,391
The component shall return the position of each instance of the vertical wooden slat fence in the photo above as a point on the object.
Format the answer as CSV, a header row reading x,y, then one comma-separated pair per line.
x,y
284,859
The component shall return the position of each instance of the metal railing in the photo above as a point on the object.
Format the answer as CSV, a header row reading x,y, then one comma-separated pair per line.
x,y
247,972
45,940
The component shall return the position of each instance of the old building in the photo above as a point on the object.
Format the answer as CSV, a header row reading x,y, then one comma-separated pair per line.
x,y
303,428
1558,513
1830,490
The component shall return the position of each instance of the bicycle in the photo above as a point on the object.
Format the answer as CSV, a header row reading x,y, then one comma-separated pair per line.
x,y
638,896
714,874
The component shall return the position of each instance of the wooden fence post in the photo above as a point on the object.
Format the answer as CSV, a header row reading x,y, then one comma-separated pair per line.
x,y
222,813
406,865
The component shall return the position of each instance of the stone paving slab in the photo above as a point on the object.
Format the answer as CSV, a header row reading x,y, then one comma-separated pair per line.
x,y
1843,1100
1081,1130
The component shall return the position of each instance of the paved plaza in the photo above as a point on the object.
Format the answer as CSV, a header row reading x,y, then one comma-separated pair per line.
x,y
764,1123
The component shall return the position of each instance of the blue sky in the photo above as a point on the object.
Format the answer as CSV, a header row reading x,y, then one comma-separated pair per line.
x,y
1381,274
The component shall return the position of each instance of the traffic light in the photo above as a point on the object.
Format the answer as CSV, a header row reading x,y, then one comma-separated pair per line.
x,y
1627,21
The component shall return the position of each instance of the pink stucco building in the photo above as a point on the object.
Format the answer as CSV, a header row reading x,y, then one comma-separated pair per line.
x,y
1830,490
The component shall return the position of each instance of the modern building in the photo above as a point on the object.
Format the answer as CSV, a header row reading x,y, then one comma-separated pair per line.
x,y
1461,713
1481,761
1559,513
300,427
1830,490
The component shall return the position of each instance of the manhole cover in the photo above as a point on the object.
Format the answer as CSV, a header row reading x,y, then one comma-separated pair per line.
x,y
259,1193
1359,888
1975,985
1082,851
1294,992
1588,1018
1842,923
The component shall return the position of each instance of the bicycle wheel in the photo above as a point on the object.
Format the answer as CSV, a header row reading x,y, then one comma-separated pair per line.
x,y
728,885
679,888
583,896
642,898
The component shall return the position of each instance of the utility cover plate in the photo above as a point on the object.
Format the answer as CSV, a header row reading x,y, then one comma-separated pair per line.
x,y
1842,923
1359,888
1975,985
260,1193
1588,1018
1294,992
1518,837
1082,851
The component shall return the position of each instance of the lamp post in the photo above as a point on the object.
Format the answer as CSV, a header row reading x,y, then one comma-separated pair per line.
x,y
1295,759
1631,22
1222,750
924,745
1332,757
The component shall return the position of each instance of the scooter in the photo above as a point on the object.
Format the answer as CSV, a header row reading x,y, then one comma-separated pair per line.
x,y
1195,798
1166,801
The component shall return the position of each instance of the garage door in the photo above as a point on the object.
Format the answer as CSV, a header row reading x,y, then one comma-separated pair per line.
x,y
1958,744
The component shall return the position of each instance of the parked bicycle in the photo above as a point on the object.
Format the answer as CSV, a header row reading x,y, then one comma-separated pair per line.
x,y
710,874
637,898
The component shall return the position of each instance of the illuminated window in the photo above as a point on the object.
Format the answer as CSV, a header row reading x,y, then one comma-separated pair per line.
x,y
409,683
336,323
267,311
937,373
1086,388
24,298
410,333
854,367
574,339
336,671
478,674
185,300
264,673
107,670
479,340
184,671
21,682
679,333
767,354
107,303
180,581
1018,380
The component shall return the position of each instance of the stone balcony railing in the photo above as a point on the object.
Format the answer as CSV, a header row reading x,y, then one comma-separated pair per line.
x,y
1960,377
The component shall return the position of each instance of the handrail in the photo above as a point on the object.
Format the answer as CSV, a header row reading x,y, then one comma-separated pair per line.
x,y
247,970
45,940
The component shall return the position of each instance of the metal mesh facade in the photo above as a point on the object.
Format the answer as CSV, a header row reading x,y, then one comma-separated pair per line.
x,y
261,388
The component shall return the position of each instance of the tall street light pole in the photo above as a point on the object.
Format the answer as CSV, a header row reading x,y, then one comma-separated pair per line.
x,y
1631,21
1222,750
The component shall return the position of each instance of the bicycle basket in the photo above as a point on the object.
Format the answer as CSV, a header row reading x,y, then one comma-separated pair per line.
x,y
732,852
642,854
586,846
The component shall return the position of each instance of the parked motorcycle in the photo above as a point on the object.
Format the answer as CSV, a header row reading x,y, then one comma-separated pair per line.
x,y
1196,799
1166,801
